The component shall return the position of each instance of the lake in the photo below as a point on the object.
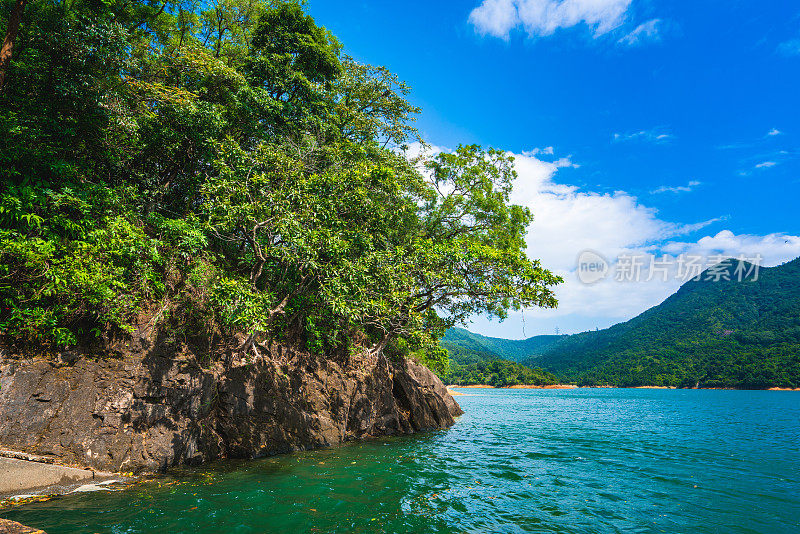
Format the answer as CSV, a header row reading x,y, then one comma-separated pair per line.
x,y
581,460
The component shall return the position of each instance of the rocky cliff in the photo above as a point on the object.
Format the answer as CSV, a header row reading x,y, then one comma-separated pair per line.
x,y
146,411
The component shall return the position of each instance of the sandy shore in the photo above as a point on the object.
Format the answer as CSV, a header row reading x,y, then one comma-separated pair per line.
x,y
551,386
520,386
573,386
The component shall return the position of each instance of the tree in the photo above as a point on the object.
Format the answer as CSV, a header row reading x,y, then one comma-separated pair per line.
x,y
223,172
370,104
293,60
11,36
467,255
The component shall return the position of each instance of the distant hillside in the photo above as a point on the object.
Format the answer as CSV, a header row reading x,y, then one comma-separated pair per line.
x,y
464,347
498,373
711,334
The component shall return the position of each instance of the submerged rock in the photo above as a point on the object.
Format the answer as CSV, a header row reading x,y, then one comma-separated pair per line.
x,y
136,413
12,527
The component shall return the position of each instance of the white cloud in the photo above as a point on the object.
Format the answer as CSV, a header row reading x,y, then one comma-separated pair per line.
x,y
790,47
546,151
416,149
621,300
654,135
647,31
773,132
766,165
774,249
677,189
495,17
569,220
544,17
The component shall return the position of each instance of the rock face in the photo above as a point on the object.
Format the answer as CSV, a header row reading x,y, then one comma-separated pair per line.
x,y
146,413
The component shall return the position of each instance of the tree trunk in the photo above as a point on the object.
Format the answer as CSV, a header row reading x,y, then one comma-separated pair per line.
x,y
11,35
377,349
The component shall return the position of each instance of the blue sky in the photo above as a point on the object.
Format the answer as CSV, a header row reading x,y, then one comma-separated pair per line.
x,y
641,126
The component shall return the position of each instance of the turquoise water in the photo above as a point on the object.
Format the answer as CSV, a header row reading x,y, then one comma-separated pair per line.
x,y
587,460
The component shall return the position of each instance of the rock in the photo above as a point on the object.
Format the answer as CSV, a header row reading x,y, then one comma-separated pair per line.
x,y
425,378
151,410
12,527
18,475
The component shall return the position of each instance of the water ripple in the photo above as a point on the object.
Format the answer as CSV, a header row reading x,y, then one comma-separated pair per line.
x,y
518,461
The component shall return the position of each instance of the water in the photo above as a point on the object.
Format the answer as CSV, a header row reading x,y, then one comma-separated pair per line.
x,y
587,460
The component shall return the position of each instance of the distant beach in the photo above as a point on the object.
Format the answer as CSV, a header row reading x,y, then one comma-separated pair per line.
x,y
519,386
573,386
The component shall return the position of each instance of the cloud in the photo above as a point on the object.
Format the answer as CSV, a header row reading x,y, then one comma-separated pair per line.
x,y
677,189
546,151
774,249
569,220
544,17
763,153
789,48
755,143
759,162
662,271
647,31
495,17
654,135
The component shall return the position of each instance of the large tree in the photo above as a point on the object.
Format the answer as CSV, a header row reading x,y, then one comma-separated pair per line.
x,y
223,171
7,49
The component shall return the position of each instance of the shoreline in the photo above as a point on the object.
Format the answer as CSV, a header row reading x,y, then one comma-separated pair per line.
x,y
26,476
517,386
573,386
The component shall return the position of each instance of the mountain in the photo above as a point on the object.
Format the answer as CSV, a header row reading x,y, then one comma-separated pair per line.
x,y
728,333
477,359
466,347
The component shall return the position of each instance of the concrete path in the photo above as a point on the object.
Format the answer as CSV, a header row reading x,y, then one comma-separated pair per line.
x,y
21,475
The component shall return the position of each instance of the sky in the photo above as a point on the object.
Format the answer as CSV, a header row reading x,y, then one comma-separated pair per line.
x,y
650,133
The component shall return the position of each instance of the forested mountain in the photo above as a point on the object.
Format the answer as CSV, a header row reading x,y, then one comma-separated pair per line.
x,y
477,359
465,346
223,173
722,333
725,333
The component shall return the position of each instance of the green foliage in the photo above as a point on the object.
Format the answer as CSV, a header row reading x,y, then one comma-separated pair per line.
x,y
475,247
292,59
221,170
71,263
497,373
708,334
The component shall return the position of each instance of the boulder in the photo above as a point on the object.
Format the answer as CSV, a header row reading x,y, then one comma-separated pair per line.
x,y
150,410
